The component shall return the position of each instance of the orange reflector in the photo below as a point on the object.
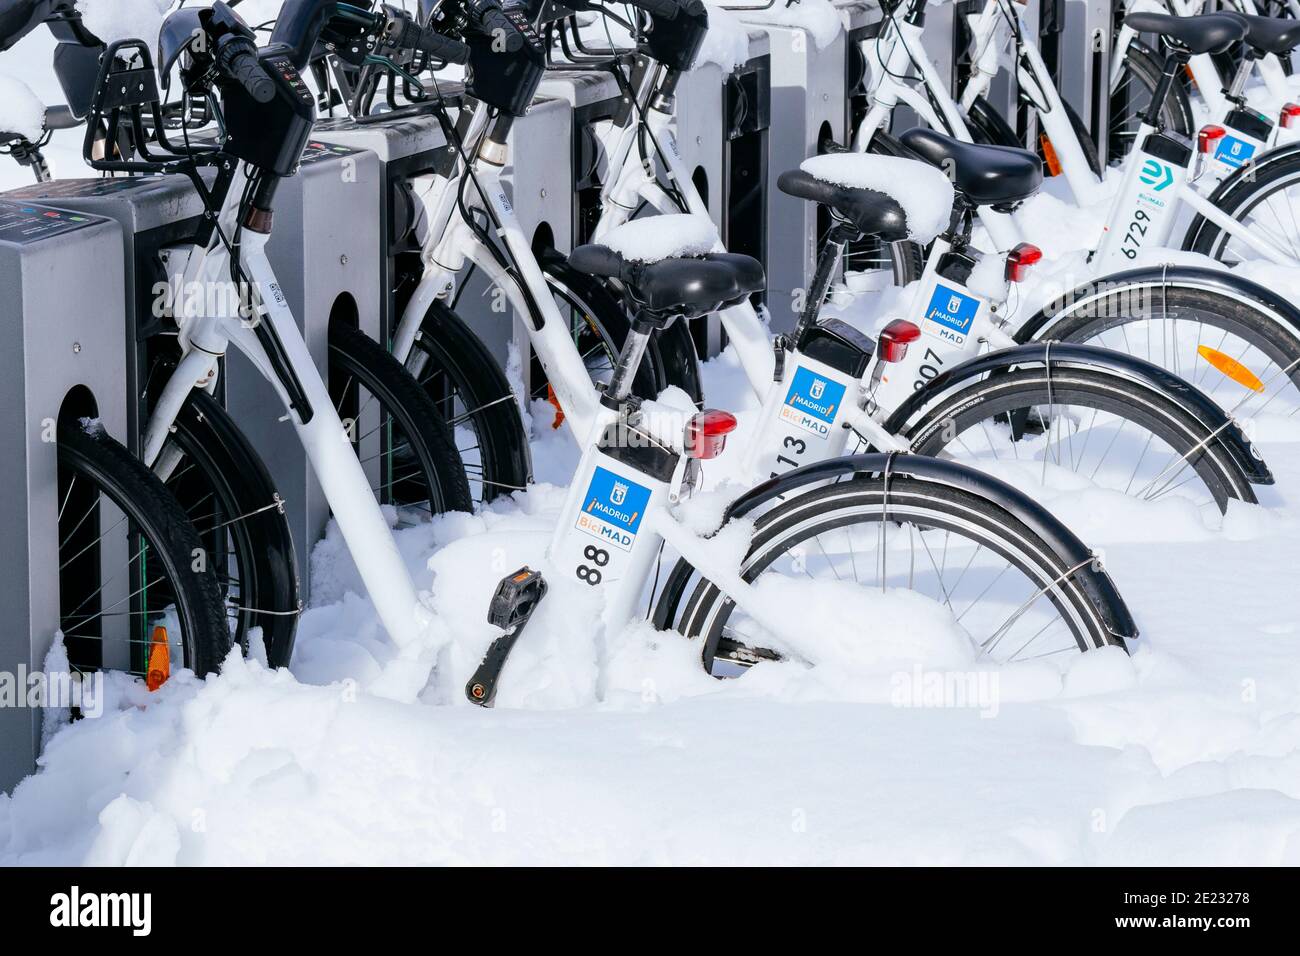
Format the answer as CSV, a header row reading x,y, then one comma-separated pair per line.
x,y
1191,77
160,659
559,412
1232,368
1049,155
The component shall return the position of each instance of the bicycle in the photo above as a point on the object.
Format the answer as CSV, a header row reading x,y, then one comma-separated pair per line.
x,y
397,438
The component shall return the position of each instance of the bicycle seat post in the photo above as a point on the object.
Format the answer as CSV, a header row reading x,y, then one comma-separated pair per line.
x,y
828,263
629,360
1175,60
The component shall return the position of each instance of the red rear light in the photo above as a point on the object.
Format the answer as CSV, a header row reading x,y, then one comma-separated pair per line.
x,y
1290,115
1209,137
706,433
894,338
1020,259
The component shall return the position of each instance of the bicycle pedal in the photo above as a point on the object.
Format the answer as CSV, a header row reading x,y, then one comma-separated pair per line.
x,y
512,605
516,598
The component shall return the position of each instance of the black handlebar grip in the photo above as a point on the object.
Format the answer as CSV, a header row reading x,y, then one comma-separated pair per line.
x,y
243,68
443,48
490,20
408,35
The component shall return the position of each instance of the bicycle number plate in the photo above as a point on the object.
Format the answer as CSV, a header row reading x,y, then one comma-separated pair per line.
x,y
602,539
1142,216
803,423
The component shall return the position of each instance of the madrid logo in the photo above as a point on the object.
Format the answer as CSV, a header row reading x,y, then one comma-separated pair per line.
x,y
619,493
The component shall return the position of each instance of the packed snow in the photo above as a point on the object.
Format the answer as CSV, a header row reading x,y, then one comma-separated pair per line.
x,y
662,237
20,111
923,191
818,18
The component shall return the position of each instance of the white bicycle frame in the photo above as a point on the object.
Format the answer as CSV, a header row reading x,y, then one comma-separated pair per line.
x,y
204,337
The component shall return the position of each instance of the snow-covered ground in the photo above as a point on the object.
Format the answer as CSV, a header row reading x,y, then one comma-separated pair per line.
x,y
893,748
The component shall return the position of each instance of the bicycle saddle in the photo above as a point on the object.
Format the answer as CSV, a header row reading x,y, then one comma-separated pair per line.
x,y
872,213
1277,35
1207,33
985,175
673,287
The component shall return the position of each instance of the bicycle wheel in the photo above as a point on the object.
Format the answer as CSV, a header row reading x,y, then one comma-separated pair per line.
x,y
1132,94
1181,329
134,594
226,493
1005,587
406,447
1265,198
472,395
1081,428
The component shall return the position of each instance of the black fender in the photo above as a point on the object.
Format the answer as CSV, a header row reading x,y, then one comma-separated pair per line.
x,y
672,349
988,126
1092,578
1246,172
1228,433
1221,281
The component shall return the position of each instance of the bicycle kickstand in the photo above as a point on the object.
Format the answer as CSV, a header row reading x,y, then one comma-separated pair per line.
x,y
516,597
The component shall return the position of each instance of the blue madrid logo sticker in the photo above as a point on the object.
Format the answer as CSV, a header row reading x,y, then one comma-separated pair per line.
x,y
612,508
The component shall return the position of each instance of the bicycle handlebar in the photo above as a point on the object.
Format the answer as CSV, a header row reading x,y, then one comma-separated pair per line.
x,y
237,59
405,33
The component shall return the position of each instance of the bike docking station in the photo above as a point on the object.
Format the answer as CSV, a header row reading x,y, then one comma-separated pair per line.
x,y
62,278
806,112
323,252
1075,40
408,145
862,24
722,122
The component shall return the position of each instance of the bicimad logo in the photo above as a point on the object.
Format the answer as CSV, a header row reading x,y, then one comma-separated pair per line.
x,y
619,494
818,388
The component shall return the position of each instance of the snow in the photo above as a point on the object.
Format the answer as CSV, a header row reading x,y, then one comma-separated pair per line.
x,y
988,279
727,42
818,17
662,237
113,20
20,109
924,192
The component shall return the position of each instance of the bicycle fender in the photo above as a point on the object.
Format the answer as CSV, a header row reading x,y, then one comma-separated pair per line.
x,y
1072,552
1221,281
1229,435
1093,579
